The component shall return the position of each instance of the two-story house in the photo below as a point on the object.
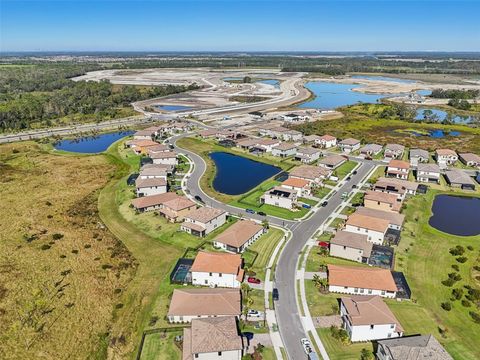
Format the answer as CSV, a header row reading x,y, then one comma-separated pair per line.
x,y
375,228
217,269
203,221
398,169
280,196
428,173
349,145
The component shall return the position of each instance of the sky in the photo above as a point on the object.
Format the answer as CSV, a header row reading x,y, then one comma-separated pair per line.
x,y
236,25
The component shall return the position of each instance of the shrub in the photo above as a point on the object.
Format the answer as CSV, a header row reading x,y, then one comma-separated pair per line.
x,y
462,259
74,251
457,294
340,334
457,250
466,303
57,236
446,306
470,247
119,306
455,276
48,203
87,246
473,295
476,267
153,320
366,355
475,316
455,267
45,247
63,256
117,291
449,282
106,266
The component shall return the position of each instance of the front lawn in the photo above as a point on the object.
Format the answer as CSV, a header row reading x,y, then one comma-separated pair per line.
x,y
320,304
338,351
345,169
265,247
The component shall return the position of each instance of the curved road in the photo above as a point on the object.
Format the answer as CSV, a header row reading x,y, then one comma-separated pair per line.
x,y
288,317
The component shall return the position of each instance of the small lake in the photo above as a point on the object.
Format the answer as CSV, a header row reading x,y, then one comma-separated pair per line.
x,y
91,144
273,82
173,107
329,95
436,133
237,175
383,78
440,115
456,215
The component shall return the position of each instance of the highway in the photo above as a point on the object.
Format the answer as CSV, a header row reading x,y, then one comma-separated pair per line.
x,y
288,317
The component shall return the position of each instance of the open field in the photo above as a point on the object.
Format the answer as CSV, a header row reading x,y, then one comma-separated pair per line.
x,y
63,273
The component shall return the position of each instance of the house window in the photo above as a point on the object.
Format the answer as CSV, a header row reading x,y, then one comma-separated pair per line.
x,y
383,292
344,248
362,291
389,335
369,291
219,274
371,327
355,290
210,274
392,326
196,356
206,282
219,353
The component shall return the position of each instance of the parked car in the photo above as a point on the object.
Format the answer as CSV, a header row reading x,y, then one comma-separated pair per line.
x,y
198,198
349,178
254,313
306,206
253,280
261,213
250,211
248,335
325,203
354,186
275,295
307,346
354,172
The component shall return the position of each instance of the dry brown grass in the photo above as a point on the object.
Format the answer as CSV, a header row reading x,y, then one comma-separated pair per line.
x,y
57,292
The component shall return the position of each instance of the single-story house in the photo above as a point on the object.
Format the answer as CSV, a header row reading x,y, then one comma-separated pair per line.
x,y
398,169
217,269
371,149
349,145
150,186
307,155
266,145
153,202
351,246
203,221
188,304
157,148
332,161
175,210
394,219
301,186
213,338
357,280
280,196
140,146
375,228
152,173
144,135
165,157
382,201
428,173
416,347
168,168
460,179
445,157
247,144
367,318
470,159
393,151
208,133
314,174
418,156
399,187
284,150
239,236
326,141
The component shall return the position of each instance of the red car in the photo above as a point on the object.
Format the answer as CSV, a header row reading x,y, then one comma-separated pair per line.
x,y
253,280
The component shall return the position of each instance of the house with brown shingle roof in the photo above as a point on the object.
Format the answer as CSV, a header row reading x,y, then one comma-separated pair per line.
x,y
393,151
382,201
398,169
217,269
326,141
358,280
395,219
314,174
187,304
202,221
239,236
301,186
150,186
349,145
470,159
367,318
153,202
212,338
351,246
445,157
177,208
332,161
375,228
399,187
164,157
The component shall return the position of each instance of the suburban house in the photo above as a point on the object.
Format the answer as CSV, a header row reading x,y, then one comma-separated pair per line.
x,y
399,187
150,186
247,144
357,280
140,146
153,202
280,196
398,169
288,134
351,246
301,186
395,220
212,338
428,173
311,139
188,304
295,118
470,159
152,173
239,236
157,148
284,150
307,155
367,318
207,133
314,174
266,145
371,149
459,179
445,157
168,168
382,201
202,221
326,141
216,269
332,161
374,228
349,145
174,210
144,134
393,151
411,347
418,156
164,157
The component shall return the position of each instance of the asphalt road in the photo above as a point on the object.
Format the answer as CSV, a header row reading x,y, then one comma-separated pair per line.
x,y
288,317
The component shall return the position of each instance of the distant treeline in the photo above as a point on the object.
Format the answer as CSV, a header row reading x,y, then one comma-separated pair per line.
x,y
455,94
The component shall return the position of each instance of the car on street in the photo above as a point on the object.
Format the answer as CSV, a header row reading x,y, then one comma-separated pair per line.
x,y
254,313
325,203
275,295
250,211
354,186
307,346
261,213
354,172
349,178
253,280
198,198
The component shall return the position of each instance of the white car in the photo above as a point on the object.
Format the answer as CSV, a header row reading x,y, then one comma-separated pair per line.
x,y
307,347
254,313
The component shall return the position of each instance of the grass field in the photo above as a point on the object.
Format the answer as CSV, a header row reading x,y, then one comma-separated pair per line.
x,y
63,273
338,351
345,169
161,346
265,247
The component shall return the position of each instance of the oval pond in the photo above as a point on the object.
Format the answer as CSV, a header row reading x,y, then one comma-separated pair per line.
x,y
456,215
91,144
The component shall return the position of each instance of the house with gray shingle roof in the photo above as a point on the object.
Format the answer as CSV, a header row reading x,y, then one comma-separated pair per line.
x,y
417,347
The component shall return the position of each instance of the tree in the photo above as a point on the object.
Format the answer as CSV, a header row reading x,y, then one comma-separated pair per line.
x,y
366,355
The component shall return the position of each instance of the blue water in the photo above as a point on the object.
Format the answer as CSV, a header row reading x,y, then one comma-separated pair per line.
x,y
424,92
232,79
173,107
236,175
456,215
440,115
91,144
383,78
436,133
273,82
329,95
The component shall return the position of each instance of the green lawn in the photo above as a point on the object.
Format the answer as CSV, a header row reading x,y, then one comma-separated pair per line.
x,y
345,169
265,246
321,192
314,260
161,346
320,304
338,351
337,222
308,201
